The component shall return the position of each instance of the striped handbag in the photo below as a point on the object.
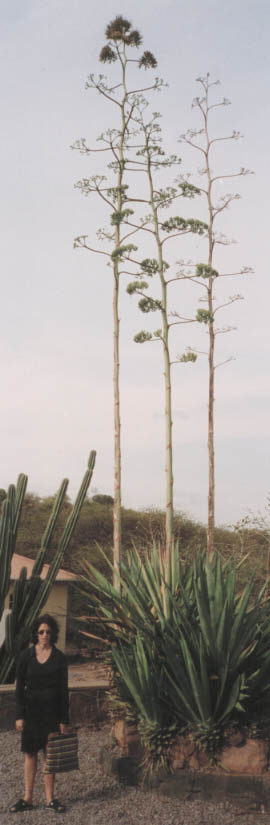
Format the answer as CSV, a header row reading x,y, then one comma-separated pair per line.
x,y
62,752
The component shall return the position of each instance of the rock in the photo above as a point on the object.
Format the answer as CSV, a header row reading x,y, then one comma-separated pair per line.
x,y
119,731
181,752
128,739
178,759
252,758
194,764
124,767
235,737
185,754
204,762
239,756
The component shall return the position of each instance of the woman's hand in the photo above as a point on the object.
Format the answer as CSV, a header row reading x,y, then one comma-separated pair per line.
x,y
63,728
19,725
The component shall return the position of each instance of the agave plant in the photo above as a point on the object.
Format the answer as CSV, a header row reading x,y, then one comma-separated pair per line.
x,y
145,602
214,664
189,652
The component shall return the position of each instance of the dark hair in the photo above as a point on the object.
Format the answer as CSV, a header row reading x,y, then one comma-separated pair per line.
x,y
51,622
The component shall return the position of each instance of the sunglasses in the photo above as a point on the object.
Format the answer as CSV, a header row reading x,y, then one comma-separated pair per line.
x,y
44,632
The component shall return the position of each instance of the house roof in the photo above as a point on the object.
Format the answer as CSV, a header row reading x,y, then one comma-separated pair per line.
x,y
18,562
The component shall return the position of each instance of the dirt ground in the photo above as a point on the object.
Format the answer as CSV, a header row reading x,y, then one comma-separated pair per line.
x,y
93,798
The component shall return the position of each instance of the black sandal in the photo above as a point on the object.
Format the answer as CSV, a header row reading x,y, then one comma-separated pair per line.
x,y
56,806
21,805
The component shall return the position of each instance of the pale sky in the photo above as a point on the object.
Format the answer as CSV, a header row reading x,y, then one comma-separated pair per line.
x,y
56,310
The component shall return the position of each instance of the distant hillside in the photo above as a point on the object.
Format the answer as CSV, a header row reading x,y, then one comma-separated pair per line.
x,y
140,529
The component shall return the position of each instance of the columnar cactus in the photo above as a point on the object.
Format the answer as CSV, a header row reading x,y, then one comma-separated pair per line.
x,y
29,595
10,516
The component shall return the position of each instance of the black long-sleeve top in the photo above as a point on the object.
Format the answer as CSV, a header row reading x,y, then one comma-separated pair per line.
x,y
42,688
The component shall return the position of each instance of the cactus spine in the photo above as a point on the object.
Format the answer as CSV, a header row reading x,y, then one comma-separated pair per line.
x,y
30,595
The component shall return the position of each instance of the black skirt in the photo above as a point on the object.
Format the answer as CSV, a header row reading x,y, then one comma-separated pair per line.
x,y
37,726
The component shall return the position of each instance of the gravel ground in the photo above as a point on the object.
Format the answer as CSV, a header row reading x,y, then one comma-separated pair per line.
x,y
95,799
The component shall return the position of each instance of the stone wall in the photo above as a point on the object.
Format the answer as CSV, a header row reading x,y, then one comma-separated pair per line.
x,y
241,779
87,705
240,755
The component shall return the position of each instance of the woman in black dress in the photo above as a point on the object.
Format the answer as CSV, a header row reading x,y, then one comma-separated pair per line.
x,y
41,705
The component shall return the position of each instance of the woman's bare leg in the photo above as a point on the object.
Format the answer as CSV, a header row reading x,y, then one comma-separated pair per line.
x,y
30,769
49,780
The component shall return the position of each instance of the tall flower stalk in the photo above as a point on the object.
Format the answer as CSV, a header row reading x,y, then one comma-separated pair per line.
x,y
120,38
153,158
203,142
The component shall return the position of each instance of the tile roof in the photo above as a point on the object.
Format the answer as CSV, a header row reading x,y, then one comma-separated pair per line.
x,y
22,561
